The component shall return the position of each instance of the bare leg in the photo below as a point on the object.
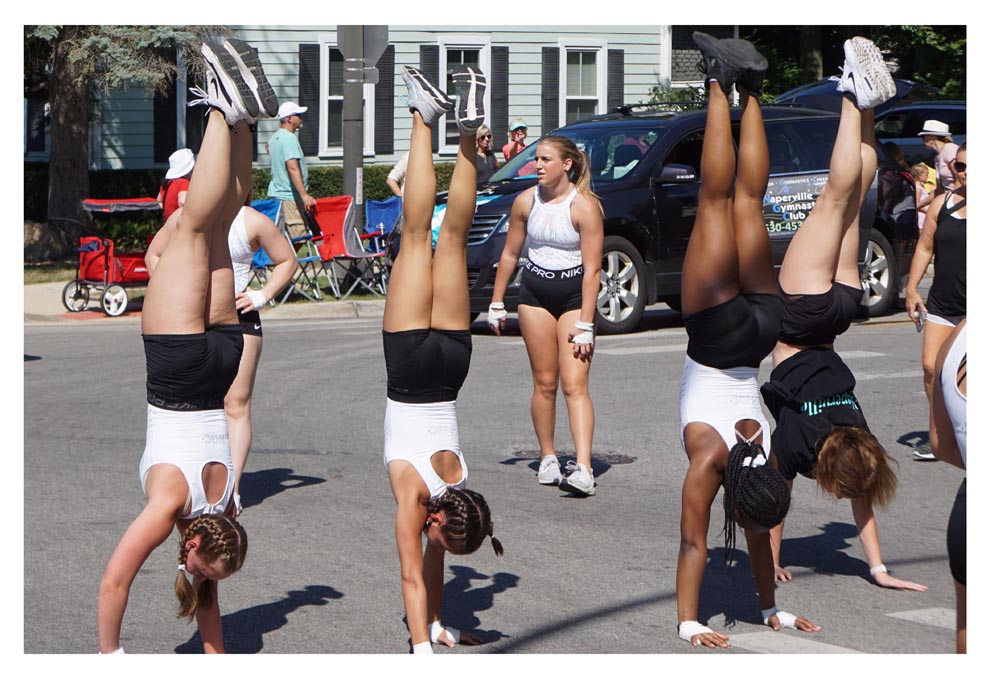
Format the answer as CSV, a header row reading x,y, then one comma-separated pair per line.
x,y
813,256
237,405
574,382
960,617
756,274
711,263
539,330
179,299
847,269
451,303
409,302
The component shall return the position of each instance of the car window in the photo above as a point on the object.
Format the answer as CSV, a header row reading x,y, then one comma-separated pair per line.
x,y
813,139
614,150
954,118
686,152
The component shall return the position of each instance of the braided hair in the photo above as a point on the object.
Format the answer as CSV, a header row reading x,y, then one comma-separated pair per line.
x,y
469,520
220,538
759,493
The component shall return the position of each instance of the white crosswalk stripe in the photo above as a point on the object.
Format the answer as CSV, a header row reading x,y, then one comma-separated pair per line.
x,y
944,618
784,642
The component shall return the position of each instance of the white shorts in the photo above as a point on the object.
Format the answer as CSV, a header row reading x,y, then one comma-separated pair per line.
x,y
947,321
720,399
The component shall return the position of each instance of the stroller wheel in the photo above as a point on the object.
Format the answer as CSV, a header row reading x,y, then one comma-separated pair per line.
x,y
114,300
75,297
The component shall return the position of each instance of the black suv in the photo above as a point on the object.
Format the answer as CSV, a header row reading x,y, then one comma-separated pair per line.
x,y
645,170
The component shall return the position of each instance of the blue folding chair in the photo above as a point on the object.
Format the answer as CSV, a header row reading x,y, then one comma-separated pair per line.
x,y
380,217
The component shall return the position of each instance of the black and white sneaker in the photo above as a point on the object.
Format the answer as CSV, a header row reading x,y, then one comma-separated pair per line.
x,y
215,95
469,84
865,74
252,72
424,96
731,60
229,74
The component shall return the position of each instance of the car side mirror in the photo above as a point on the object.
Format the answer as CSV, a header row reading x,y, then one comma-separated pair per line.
x,y
678,174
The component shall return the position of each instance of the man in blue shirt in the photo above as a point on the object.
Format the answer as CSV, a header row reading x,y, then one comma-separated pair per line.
x,y
289,177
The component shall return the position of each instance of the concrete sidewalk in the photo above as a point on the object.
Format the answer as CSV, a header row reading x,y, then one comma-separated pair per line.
x,y
43,306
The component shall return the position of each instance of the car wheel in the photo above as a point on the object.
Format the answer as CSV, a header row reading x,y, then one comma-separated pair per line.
x,y
880,279
75,297
622,296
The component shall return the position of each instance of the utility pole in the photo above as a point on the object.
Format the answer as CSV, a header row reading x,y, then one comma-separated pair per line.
x,y
360,46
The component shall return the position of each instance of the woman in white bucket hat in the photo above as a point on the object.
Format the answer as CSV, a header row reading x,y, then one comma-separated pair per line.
x,y
172,194
937,137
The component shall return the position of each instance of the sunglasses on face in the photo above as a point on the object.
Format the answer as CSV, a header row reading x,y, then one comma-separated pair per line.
x,y
959,166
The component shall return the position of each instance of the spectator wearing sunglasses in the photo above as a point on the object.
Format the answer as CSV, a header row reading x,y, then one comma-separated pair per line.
x,y
944,237
485,160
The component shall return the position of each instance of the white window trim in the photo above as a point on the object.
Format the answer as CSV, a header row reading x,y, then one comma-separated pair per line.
x,y
181,89
478,42
584,45
324,150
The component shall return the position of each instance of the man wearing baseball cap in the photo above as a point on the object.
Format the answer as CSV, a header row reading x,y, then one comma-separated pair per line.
x,y
289,178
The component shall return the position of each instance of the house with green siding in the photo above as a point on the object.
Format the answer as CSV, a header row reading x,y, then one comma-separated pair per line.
x,y
549,76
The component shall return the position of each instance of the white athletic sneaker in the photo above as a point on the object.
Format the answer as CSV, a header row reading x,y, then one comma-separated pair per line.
x,y
424,96
549,474
234,90
469,84
579,480
865,75
253,74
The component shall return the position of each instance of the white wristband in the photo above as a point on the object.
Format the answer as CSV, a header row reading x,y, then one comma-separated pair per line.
x,y
783,617
422,647
581,325
878,569
496,312
436,629
689,628
257,298
120,650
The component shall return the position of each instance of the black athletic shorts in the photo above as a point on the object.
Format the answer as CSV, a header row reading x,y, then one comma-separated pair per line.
x,y
194,371
556,291
738,333
955,537
812,320
426,365
250,322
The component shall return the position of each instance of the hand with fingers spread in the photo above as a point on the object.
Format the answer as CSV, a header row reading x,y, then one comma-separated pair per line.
x,y
775,619
885,579
697,634
781,574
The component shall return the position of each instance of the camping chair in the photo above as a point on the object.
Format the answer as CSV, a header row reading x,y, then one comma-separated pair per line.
x,y
261,262
380,217
306,282
339,247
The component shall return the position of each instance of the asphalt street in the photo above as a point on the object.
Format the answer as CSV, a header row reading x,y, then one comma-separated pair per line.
x,y
593,575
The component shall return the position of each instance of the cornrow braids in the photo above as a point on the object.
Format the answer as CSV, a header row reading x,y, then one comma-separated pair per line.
x,y
759,493
220,538
468,523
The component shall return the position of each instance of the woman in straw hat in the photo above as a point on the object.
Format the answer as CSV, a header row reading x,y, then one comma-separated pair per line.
x,y
935,134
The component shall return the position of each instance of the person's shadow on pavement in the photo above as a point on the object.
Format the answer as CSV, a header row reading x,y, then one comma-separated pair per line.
x,y
461,601
258,486
244,630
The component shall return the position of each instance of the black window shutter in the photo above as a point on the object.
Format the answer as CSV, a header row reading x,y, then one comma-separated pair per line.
x,y
309,96
35,122
385,102
498,121
166,123
550,96
616,84
429,64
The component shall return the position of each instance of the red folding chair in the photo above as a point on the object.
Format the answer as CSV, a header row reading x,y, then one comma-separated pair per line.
x,y
340,248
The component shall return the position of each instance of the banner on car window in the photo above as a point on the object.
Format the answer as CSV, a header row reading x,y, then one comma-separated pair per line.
x,y
789,201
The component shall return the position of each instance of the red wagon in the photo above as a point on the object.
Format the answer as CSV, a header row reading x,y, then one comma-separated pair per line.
x,y
102,268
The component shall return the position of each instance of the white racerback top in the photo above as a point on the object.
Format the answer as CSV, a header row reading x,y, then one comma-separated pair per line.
x,y
240,252
554,243
955,401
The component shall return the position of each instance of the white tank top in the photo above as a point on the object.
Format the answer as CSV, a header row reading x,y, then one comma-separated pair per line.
x,y
955,401
554,243
415,432
240,252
